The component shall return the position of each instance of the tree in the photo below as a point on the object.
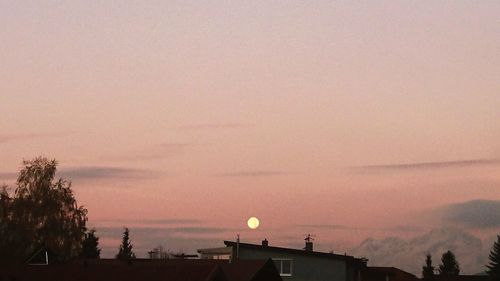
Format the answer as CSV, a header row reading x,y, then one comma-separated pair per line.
x,y
41,213
6,227
125,252
90,246
449,264
428,269
494,264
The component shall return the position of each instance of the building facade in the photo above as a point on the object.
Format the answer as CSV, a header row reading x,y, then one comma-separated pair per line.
x,y
294,264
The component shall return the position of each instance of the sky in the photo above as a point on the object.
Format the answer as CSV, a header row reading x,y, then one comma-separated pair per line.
x,y
181,119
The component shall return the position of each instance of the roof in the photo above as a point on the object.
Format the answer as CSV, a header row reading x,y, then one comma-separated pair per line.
x,y
142,269
110,272
251,270
41,255
386,270
296,252
463,278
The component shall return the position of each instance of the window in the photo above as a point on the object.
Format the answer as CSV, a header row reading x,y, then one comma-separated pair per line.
x,y
284,266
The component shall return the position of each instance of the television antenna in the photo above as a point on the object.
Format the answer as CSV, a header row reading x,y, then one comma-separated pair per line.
x,y
309,237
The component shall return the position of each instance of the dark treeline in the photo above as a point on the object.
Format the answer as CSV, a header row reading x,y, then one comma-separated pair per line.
x,y
450,267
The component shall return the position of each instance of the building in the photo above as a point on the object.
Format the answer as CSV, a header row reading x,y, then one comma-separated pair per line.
x,y
293,264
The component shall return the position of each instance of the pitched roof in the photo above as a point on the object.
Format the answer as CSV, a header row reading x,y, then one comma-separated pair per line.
x,y
251,270
386,270
41,255
296,251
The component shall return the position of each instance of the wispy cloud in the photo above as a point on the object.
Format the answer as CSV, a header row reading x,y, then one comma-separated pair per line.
x,y
258,173
156,152
12,137
149,221
100,173
395,228
480,214
428,165
203,126
164,230
95,173
328,226
199,230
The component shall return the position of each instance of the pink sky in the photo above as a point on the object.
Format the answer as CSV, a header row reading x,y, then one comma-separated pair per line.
x,y
304,114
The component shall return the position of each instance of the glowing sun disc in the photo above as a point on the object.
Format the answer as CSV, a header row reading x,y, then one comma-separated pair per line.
x,y
253,223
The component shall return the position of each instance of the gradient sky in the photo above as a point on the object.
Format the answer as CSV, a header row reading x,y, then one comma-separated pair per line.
x,y
346,119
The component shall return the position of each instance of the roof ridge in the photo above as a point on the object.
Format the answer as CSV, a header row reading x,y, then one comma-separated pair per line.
x,y
299,251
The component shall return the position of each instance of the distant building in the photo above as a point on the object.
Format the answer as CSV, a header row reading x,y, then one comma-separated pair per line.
x,y
293,264
160,253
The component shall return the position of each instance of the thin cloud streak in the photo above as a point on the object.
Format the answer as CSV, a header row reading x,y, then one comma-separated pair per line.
x,y
150,221
160,230
7,138
250,174
203,126
199,230
101,173
95,173
396,228
157,152
429,165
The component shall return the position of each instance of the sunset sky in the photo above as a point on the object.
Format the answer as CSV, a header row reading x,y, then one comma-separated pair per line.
x,y
182,119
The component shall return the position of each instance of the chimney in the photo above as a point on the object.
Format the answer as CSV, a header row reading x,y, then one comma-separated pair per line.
x,y
309,243
265,243
309,246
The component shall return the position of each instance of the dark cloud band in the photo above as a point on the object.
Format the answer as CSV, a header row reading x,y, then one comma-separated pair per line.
x,y
100,173
476,213
429,165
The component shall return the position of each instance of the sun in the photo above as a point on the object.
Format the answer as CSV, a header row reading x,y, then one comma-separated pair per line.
x,y
253,223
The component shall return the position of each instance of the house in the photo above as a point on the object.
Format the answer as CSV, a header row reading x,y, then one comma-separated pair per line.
x,y
144,269
377,273
293,264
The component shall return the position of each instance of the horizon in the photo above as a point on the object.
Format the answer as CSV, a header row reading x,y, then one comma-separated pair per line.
x,y
182,119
